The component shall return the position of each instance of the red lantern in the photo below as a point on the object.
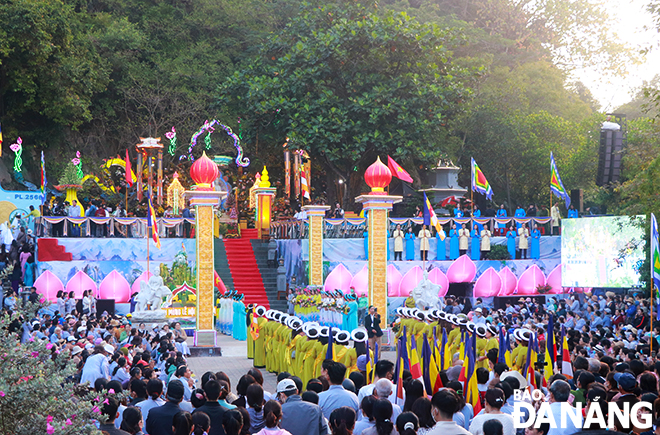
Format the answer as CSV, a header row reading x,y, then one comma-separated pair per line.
x,y
378,176
204,172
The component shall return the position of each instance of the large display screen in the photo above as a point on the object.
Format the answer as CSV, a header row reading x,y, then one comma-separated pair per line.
x,y
602,251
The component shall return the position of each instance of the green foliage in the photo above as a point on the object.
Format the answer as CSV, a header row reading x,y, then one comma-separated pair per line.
x,y
499,252
34,385
347,85
70,175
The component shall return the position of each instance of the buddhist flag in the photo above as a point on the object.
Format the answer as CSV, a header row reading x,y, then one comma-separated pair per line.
x,y
566,367
501,353
430,219
44,181
479,182
471,386
556,186
401,361
415,367
397,171
655,254
550,350
369,365
129,177
151,223
531,362
443,347
329,352
304,183
254,327
427,366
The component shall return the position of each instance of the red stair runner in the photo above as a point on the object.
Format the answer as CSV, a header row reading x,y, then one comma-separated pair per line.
x,y
244,269
51,250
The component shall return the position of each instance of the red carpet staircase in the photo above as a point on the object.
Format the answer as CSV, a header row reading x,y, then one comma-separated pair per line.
x,y
244,270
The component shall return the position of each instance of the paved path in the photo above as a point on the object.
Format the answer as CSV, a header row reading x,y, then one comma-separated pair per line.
x,y
234,363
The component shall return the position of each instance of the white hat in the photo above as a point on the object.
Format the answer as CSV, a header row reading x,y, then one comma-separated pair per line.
x,y
480,329
492,328
324,331
470,326
359,334
260,311
286,385
342,337
478,310
515,374
461,319
312,332
108,348
76,350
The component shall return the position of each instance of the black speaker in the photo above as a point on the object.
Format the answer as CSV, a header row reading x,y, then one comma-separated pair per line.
x,y
460,289
105,305
577,197
612,144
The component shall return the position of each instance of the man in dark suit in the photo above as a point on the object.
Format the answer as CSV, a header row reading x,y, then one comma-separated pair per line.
x,y
212,407
160,418
372,323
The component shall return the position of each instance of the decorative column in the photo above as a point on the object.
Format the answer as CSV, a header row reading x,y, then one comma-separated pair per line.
x,y
315,216
376,205
203,197
264,203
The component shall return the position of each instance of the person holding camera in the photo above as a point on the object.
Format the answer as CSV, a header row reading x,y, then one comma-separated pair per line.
x,y
372,323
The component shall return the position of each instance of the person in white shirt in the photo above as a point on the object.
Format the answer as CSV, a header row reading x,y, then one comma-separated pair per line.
x,y
494,402
443,406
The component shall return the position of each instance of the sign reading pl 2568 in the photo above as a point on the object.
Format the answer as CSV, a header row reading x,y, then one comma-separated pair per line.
x,y
29,196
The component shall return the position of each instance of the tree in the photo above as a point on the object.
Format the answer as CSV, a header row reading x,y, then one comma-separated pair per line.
x,y
36,391
347,84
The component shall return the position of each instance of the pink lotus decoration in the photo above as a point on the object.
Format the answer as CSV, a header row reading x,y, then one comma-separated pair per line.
x,y
462,269
410,281
489,284
48,284
115,286
394,278
530,280
438,277
16,146
554,281
509,282
340,278
135,288
79,283
170,134
361,281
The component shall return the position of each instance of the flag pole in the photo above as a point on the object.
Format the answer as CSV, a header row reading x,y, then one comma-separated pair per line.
x,y
148,235
651,319
550,212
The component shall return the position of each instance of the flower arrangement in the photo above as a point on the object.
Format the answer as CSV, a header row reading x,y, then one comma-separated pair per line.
x,y
543,289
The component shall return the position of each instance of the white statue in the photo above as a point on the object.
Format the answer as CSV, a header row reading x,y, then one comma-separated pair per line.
x,y
150,297
426,293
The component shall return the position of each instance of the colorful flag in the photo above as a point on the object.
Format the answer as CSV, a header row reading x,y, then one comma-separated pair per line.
x,y
369,366
655,254
507,353
254,327
556,186
443,346
44,181
550,350
426,366
129,176
501,353
415,367
397,171
0,139
151,223
479,182
401,361
304,184
329,353
430,218
530,363
566,367
471,385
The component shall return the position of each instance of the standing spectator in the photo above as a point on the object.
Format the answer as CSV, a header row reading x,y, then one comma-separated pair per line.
x,y
337,396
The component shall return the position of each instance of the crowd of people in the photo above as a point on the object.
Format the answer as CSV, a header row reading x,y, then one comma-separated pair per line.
x,y
17,255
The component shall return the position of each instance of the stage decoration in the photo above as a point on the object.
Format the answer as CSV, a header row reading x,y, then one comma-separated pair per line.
x,y
171,136
360,282
207,140
554,281
425,293
296,174
78,164
410,280
79,283
479,182
175,197
530,280
48,284
145,148
265,180
264,195
556,186
438,277
182,303
204,172
339,279
394,278
378,176
115,286
462,270
120,162
208,127
287,169
150,298
488,285
221,184
70,183
17,148
315,219
203,197
509,282
142,278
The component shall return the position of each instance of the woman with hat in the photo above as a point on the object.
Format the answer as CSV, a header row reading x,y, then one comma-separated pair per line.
x,y
239,314
480,330
309,350
259,350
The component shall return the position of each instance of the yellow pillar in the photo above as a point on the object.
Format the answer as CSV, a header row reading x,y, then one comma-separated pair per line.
x,y
264,202
315,216
376,208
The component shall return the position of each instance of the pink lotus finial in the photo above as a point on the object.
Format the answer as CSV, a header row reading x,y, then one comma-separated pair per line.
x,y
170,134
17,146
